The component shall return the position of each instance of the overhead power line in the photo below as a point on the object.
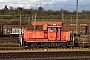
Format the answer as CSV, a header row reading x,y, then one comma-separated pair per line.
x,y
5,2
46,4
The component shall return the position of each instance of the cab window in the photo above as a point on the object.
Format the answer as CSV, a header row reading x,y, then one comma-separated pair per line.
x,y
52,29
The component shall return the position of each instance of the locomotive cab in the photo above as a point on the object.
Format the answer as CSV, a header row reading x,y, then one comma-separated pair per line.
x,y
56,33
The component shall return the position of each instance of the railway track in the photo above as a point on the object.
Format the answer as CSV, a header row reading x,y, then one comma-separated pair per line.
x,y
27,49
46,56
9,41
11,48
26,53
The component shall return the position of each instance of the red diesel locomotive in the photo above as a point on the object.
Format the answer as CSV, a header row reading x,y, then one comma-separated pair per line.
x,y
52,35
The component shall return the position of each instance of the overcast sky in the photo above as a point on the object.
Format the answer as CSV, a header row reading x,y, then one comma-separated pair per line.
x,y
47,4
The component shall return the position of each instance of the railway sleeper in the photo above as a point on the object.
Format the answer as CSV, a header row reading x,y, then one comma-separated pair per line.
x,y
85,45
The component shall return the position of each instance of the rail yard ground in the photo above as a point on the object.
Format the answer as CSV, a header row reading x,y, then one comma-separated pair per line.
x,y
25,53
79,55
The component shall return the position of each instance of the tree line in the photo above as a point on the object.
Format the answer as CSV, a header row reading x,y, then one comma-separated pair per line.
x,y
12,15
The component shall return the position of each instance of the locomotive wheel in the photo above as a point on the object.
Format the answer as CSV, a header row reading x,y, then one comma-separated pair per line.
x,y
47,45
